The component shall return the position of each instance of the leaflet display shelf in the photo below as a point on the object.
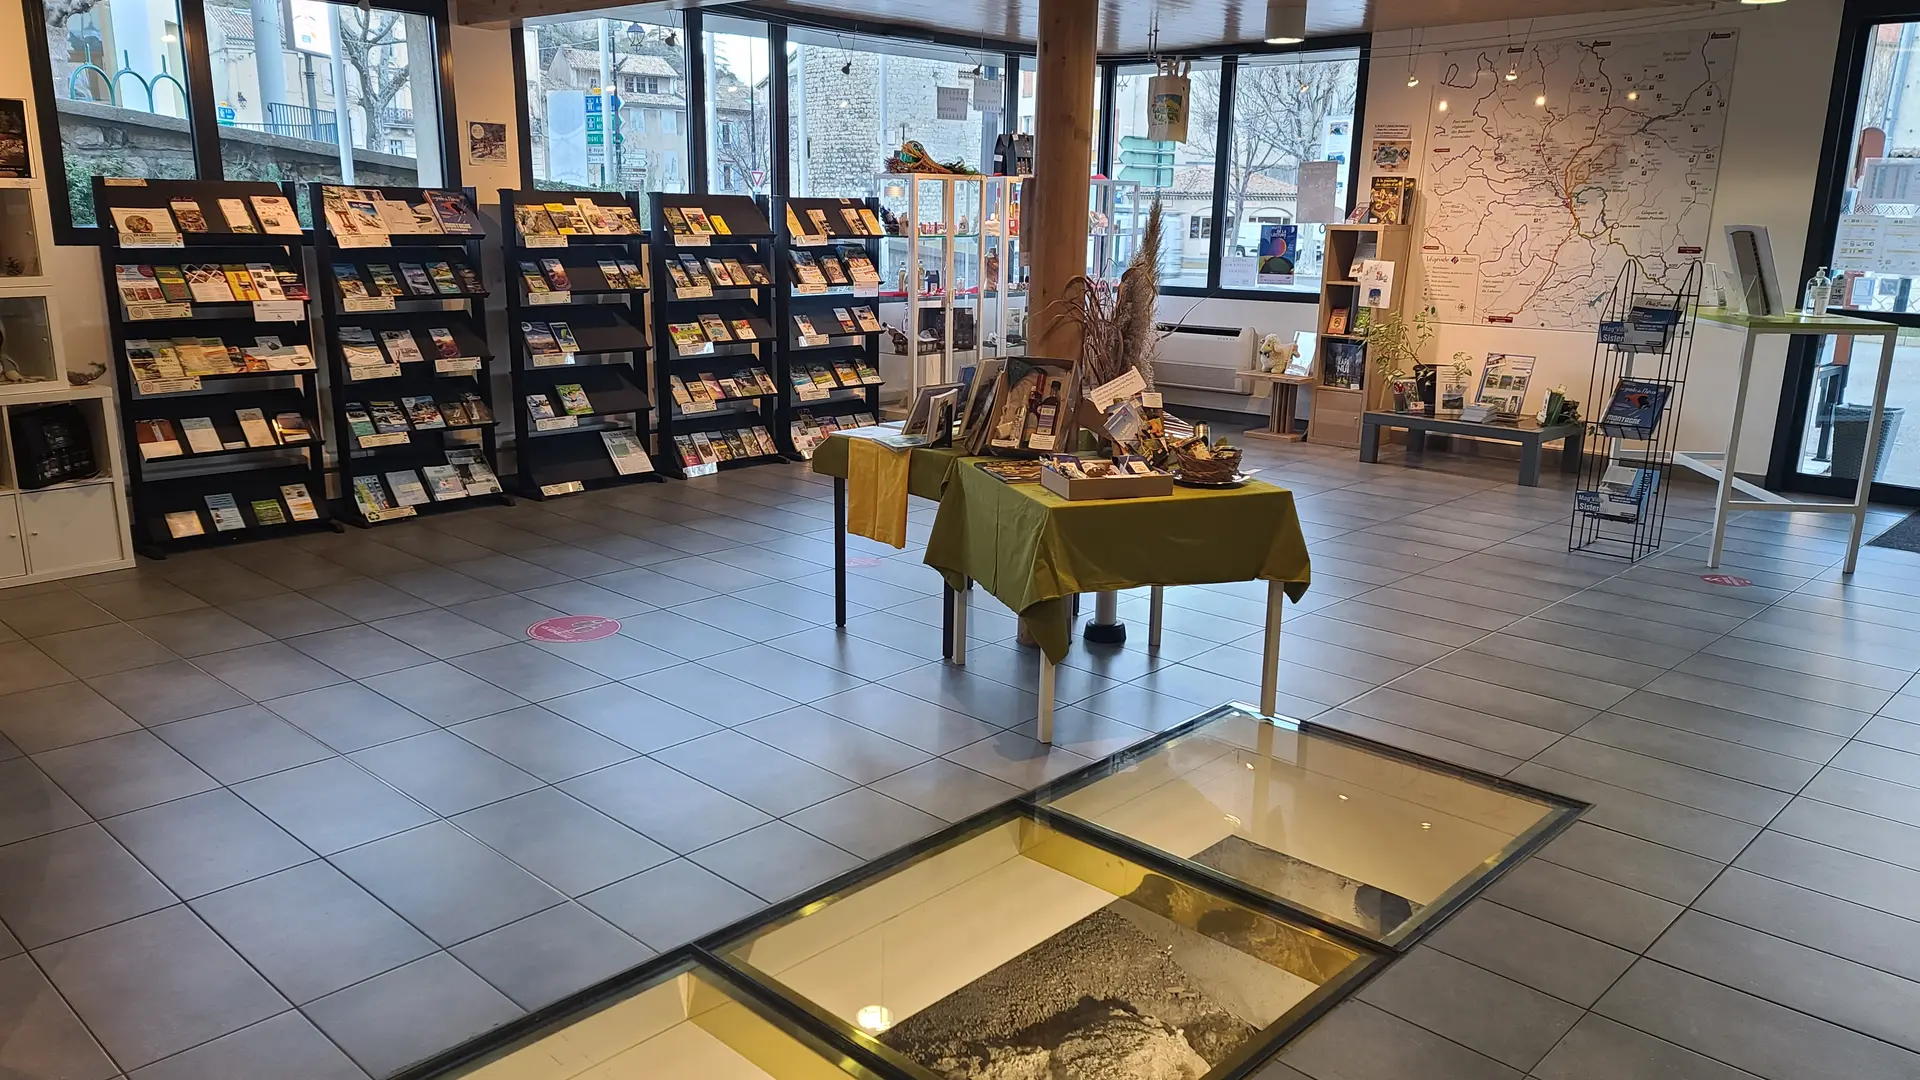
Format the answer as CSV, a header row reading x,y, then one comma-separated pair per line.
x,y
577,325
411,305
711,329
829,373
945,271
204,425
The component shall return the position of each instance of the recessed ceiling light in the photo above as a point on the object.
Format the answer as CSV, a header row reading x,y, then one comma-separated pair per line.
x,y
874,1018
1426,824
1286,22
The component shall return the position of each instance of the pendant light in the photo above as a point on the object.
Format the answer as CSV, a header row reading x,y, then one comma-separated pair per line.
x,y
1286,22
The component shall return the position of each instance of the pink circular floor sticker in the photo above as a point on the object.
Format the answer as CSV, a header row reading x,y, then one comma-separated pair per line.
x,y
1725,579
567,629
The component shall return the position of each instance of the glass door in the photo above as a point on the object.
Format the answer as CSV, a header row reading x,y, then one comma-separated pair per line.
x,y
1874,255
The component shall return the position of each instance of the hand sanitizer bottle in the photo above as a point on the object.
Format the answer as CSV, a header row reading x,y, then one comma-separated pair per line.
x,y
1819,294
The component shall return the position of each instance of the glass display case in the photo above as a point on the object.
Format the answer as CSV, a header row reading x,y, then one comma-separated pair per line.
x,y
1375,841
689,1022
1018,949
944,271
1116,220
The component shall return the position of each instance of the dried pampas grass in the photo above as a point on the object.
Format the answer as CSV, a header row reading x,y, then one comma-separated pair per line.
x,y
1117,323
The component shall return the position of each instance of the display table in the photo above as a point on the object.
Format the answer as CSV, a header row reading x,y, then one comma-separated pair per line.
x,y
1034,551
926,477
1283,401
1529,435
1720,466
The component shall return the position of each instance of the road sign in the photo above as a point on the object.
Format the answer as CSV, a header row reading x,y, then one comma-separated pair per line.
x,y
759,177
592,103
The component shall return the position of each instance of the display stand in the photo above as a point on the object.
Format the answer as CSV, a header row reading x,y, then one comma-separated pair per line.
x,y
1645,342
946,271
589,317
1720,466
731,421
439,455
1283,403
829,372
1338,406
223,443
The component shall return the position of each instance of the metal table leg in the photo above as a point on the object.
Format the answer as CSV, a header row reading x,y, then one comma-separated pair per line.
x,y
1270,655
1046,699
1156,606
839,551
962,603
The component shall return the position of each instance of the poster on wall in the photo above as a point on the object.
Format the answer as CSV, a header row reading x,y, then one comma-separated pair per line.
x,y
951,102
486,143
1453,285
1279,246
1238,271
1376,283
15,164
1320,191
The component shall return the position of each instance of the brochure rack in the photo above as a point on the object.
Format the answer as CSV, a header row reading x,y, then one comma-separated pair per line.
x,y
817,349
223,444
426,351
1643,347
577,328
713,331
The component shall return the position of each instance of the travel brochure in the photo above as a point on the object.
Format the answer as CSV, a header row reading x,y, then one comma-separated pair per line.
x,y
147,290
809,431
541,225
161,360
163,226
371,217
437,280
704,448
383,423
466,473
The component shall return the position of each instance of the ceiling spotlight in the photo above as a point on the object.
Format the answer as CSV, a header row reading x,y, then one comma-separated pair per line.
x,y
1633,95
1286,22
874,1018
1413,80
846,68
1541,100
1513,72
1443,104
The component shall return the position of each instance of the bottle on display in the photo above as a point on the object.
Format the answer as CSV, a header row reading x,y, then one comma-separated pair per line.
x,y
1047,411
1819,294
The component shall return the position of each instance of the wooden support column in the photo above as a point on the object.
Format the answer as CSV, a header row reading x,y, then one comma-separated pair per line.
x,y
1054,227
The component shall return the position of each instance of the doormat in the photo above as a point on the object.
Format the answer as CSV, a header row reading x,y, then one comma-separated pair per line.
x,y
1902,537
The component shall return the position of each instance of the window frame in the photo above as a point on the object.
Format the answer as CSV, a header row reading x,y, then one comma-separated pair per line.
x,y
202,106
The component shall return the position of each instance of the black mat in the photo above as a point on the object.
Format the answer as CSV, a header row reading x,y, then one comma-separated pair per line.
x,y
1902,537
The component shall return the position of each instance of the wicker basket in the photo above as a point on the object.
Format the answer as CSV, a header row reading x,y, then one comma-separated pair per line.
x,y
1220,466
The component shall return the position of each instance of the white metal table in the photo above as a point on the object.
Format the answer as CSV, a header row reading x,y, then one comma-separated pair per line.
x,y
1721,467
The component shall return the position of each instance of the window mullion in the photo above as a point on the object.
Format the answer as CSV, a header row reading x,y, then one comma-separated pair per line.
x,y
202,108
1222,168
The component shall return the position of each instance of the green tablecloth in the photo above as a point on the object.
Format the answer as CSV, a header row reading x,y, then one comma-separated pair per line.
x,y
1034,550
926,471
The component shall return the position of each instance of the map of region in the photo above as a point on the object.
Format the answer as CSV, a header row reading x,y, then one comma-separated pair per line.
x,y
1549,167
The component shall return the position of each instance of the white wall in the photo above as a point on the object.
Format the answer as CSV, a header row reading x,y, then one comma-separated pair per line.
x,y
1776,116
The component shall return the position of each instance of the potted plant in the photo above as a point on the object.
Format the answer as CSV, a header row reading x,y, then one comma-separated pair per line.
x,y
1394,344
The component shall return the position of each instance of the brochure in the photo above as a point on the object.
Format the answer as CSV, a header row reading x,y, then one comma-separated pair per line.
x,y
1636,408
253,425
450,209
422,412
291,428
184,523
573,399
276,215
629,457
407,489
201,436
187,214
299,503
539,407
444,482
370,496
238,220
145,227
157,440
715,328
563,337
226,513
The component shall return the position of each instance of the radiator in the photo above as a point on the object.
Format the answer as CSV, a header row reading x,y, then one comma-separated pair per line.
x,y
1207,358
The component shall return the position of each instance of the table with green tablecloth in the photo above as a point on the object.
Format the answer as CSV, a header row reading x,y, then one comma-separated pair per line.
x,y
926,478
1034,551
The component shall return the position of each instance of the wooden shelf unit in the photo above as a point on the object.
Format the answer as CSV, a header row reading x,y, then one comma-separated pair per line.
x,y
1336,412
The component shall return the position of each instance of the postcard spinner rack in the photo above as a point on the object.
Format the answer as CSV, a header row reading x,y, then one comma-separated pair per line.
x,y
832,348
447,331
265,482
1646,337
601,315
735,428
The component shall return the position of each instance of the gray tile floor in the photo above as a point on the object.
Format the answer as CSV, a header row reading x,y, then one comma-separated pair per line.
x,y
317,808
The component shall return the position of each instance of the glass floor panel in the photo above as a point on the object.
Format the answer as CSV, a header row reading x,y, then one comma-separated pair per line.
x,y
1016,949
1373,841
684,1024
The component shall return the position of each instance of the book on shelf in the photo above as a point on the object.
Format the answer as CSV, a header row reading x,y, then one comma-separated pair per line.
x,y
351,285
202,438
406,486
833,269
635,277
697,221
444,482
1390,200
539,337
452,211
689,338
563,337
711,450
817,221
629,457
610,272
254,426
267,511
757,274
225,512
573,399
872,222
370,496
292,428
678,275
182,524
444,344
1337,320
822,377
624,220
276,215
1635,409
712,384
730,387
844,371
852,218
157,440
388,417
806,267
596,218
187,214
696,272
299,503
678,390
738,271
423,412
676,221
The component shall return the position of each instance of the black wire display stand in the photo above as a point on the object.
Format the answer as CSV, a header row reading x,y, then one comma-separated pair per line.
x,y
1643,348
701,437
446,371
254,476
832,347
605,319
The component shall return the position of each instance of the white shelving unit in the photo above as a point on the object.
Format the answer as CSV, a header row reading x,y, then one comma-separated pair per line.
x,y
80,526
949,278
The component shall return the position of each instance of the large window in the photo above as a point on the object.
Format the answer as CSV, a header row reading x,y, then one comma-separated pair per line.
x,y
335,93
1180,175
854,100
607,103
1287,112
119,90
739,107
